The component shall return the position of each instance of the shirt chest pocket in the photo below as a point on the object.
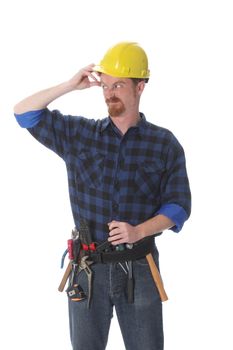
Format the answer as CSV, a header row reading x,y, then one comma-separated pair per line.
x,y
89,168
148,178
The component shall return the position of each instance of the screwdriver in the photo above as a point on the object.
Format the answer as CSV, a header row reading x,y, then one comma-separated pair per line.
x,y
130,282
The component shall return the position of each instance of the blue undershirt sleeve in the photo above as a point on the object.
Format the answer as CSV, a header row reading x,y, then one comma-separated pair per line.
x,y
175,213
29,119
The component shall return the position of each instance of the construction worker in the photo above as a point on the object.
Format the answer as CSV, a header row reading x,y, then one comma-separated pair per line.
x,y
128,182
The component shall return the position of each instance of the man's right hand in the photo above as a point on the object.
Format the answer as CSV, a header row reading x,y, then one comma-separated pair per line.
x,y
84,79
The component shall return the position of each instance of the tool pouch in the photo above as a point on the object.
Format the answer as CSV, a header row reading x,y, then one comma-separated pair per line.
x,y
76,293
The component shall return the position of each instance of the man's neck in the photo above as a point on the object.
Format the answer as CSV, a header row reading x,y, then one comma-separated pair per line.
x,y
125,122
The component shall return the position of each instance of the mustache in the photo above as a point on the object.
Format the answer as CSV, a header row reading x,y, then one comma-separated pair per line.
x,y
112,99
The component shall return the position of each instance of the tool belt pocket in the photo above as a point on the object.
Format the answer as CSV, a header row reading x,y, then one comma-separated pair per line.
x,y
143,261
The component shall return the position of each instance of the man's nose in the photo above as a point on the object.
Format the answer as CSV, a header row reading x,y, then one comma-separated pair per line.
x,y
109,93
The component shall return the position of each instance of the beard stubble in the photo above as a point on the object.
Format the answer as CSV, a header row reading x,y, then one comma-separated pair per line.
x,y
115,106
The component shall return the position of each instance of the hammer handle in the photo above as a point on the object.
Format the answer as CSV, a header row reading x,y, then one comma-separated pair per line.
x,y
65,277
157,278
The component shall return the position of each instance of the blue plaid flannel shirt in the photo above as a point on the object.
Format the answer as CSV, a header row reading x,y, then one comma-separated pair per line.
x,y
127,178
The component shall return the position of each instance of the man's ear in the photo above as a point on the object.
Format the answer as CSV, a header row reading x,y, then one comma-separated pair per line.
x,y
140,87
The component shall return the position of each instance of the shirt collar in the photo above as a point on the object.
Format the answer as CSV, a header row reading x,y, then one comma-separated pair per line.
x,y
105,123
140,125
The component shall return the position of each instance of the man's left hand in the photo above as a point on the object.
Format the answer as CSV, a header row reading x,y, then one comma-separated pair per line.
x,y
122,232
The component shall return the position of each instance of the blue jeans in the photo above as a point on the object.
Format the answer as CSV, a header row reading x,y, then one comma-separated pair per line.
x,y
140,323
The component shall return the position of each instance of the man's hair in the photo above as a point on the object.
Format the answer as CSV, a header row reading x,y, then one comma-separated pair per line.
x,y
137,80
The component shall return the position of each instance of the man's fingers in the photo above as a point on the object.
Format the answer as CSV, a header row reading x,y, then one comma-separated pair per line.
x,y
94,83
115,231
90,72
116,239
91,75
89,68
113,224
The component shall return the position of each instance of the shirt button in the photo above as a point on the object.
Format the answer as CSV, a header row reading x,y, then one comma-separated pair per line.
x,y
121,163
115,206
117,185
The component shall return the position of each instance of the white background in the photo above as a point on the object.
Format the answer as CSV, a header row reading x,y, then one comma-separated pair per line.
x,y
189,44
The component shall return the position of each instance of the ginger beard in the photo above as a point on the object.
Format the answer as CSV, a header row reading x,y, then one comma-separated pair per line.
x,y
115,106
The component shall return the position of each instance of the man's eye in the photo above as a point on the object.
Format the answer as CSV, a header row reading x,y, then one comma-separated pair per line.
x,y
118,86
104,87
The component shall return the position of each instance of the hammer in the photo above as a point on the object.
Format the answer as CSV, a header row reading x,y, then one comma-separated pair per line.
x,y
157,278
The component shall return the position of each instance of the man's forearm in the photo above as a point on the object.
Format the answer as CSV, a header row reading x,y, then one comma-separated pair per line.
x,y
82,80
42,99
122,232
158,223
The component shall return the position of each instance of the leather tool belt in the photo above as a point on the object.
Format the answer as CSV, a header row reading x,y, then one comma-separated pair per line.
x,y
139,250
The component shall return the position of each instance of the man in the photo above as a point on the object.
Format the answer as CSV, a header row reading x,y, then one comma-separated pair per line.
x,y
127,183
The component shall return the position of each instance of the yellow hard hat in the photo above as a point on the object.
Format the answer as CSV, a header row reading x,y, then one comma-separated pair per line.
x,y
124,60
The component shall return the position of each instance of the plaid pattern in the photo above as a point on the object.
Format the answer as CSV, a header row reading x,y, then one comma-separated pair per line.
x,y
112,177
